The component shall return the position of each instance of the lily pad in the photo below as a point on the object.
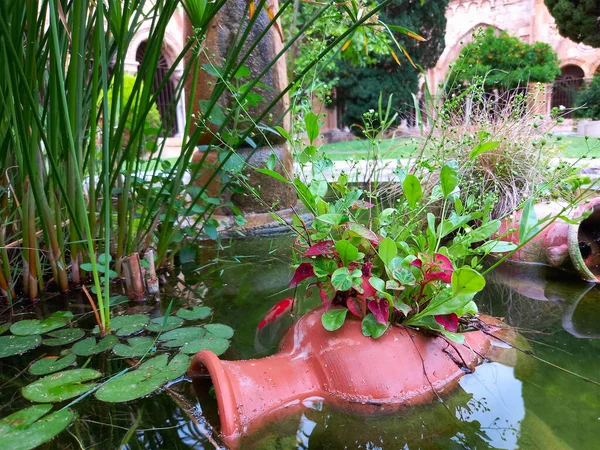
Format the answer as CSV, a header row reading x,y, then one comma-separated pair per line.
x,y
196,313
181,336
138,346
89,346
16,345
61,386
216,345
149,377
219,330
26,429
128,325
34,326
50,364
4,327
64,337
158,324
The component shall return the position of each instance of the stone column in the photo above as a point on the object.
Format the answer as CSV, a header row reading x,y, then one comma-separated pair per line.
x,y
229,23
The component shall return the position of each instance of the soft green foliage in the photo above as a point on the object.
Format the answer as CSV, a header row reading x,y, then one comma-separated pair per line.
x,y
588,100
359,86
504,62
577,19
15,345
61,386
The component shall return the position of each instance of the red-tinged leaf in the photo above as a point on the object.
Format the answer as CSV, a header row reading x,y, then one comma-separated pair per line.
x,y
357,306
442,275
443,262
380,309
363,232
448,321
320,248
304,271
283,307
326,292
417,263
368,290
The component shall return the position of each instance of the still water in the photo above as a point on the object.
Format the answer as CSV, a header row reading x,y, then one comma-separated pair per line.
x,y
518,402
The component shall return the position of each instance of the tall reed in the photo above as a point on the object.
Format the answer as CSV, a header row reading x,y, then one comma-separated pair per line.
x,y
81,182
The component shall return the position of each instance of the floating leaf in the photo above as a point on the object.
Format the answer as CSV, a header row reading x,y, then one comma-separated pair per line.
x,y
4,327
26,429
181,336
158,324
196,313
51,364
149,377
128,325
219,330
216,345
15,345
64,337
34,326
61,386
89,347
138,346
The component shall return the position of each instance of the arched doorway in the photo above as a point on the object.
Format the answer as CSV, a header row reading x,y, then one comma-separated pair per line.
x,y
565,87
165,101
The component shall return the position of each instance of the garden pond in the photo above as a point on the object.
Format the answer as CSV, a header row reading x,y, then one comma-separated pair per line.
x,y
517,402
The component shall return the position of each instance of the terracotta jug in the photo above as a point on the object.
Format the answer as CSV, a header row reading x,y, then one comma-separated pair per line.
x,y
344,368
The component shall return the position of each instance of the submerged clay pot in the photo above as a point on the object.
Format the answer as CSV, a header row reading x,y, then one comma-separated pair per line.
x,y
345,368
562,244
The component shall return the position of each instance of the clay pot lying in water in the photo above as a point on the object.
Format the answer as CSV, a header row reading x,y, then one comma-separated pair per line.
x,y
346,369
561,244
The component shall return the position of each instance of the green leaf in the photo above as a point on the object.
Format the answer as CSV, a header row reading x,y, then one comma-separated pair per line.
x,y
61,386
529,222
404,276
485,231
497,247
466,281
324,267
412,190
242,72
372,328
348,252
26,327
16,345
341,279
196,313
219,330
48,365
273,174
64,337
482,148
333,218
311,121
181,336
27,429
387,250
334,319
448,179
138,346
149,377
89,347
158,324
283,133
271,161
459,338
377,283
4,327
215,344
126,325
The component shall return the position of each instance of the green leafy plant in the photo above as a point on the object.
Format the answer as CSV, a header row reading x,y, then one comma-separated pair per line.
x,y
587,100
